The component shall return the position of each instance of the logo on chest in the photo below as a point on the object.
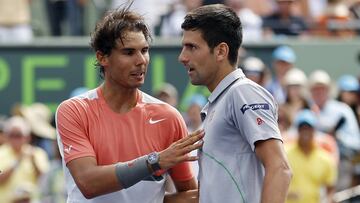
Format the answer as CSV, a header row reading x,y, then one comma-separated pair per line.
x,y
152,121
254,107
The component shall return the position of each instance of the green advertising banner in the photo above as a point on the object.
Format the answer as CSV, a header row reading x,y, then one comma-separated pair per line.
x,y
47,71
49,74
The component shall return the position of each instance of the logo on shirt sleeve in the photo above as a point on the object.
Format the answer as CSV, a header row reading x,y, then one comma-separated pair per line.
x,y
68,149
259,121
254,107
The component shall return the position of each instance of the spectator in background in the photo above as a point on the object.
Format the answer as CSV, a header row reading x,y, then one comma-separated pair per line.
x,y
56,10
354,8
255,69
295,86
296,100
283,60
168,94
260,7
75,14
313,168
170,23
336,21
39,116
334,117
349,88
21,163
15,22
66,16
313,9
251,22
285,123
337,119
282,22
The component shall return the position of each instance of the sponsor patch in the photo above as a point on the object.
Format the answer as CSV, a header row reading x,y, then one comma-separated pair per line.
x,y
254,107
259,121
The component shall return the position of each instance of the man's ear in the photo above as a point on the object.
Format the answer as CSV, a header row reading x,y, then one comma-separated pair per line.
x,y
221,51
102,59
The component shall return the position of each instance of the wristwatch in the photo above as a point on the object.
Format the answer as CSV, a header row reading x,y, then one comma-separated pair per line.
x,y
153,160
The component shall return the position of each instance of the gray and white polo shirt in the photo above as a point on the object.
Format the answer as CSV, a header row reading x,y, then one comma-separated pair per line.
x,y
239,113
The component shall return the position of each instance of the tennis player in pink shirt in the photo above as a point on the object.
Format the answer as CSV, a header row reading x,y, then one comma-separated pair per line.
x,y
119,144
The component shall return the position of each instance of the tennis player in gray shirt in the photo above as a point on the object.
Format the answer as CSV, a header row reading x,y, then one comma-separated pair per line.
x,y
242,159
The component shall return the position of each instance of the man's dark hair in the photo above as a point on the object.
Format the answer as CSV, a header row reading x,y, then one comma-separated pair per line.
x,y
113,27
217,23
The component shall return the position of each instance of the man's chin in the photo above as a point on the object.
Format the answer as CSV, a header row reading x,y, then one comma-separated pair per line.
x,y
137,85
194,82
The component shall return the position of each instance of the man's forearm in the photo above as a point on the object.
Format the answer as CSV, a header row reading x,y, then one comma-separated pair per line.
x,y
277,171
94,180
276,184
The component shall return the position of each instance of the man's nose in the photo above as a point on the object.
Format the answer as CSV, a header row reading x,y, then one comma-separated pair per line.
x,y
141,59
182,58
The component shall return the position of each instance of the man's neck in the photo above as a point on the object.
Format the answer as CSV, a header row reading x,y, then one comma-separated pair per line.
x,y
224,70
120,100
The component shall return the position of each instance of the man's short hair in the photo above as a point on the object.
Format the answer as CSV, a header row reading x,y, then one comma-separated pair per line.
x,y
217,23
113,27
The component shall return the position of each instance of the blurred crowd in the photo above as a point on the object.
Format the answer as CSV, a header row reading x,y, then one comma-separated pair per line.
x,y
319,121
262,19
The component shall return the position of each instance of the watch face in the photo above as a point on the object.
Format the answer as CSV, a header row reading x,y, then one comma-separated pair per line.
x,y
152,158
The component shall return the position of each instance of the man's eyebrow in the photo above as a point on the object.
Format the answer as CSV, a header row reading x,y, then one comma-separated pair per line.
x,y
127,49
189,44
132,49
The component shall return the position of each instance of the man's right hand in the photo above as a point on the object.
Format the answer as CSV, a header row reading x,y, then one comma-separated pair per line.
x,y
178,151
